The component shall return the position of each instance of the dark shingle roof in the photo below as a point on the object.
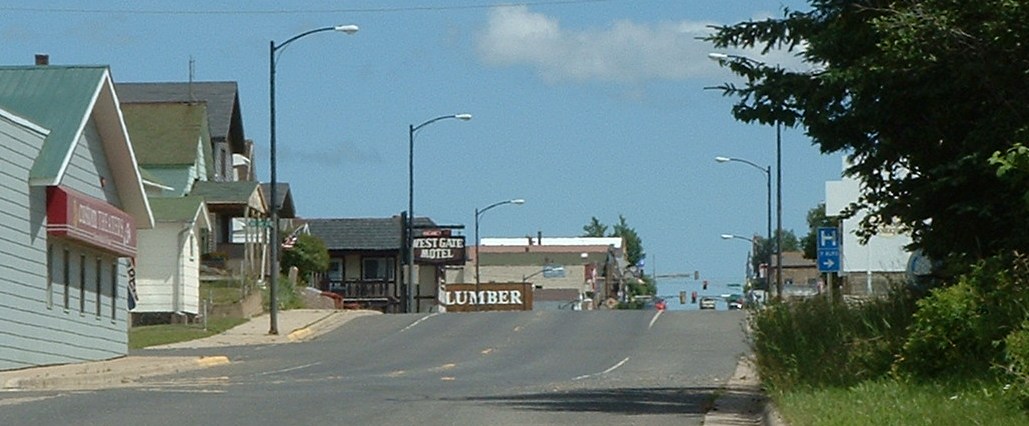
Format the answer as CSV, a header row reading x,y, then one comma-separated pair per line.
x,y
284,196
362,233
221,97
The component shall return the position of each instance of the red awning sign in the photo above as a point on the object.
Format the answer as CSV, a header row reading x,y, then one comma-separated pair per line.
x,y
89,220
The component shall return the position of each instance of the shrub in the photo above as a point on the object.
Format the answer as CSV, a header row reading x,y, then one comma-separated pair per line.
x,y
1017,351
961,330
816,343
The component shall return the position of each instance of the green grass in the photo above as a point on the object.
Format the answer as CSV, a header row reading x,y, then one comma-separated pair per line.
x,y
889,402
152,335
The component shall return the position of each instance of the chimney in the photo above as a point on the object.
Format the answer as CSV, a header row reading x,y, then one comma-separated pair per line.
x,y
42,59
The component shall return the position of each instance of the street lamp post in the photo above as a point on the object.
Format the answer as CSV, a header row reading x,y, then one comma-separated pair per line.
x,y
412,129
752,241
479,212
274,240
723,57
768,178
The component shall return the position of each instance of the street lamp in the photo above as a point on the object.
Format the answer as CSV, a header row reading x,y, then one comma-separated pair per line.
x,y
768,175
274,240
410,200
722,58
479,212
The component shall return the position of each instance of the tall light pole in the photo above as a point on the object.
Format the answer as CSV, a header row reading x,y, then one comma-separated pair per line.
x,y
721,58
412,129
274,240
753,241
767,170
479,212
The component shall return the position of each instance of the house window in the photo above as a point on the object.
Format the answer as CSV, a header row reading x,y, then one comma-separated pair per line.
x,y
50,276
99,280
377,269
82,283
336,271
114,289
67,278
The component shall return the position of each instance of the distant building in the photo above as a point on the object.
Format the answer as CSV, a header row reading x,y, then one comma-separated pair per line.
x,y
565,271
366,264
874,266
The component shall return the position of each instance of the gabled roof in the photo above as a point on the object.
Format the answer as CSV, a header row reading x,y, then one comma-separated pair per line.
x,y
181,209
222,100
63,99
239,192
168,133
284,196
362,233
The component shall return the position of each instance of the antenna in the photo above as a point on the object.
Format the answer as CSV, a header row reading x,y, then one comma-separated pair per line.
x,y
192,70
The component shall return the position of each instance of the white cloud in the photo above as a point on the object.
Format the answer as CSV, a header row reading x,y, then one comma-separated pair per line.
x,y
625,52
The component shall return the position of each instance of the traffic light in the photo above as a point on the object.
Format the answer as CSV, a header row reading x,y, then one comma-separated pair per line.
x,y
696,275
682,297
705,284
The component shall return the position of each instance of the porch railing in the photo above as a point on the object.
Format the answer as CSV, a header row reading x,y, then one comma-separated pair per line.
x,y
359,290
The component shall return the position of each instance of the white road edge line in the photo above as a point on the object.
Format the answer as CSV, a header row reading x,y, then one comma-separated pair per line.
x,y
653,320
613,368
419,321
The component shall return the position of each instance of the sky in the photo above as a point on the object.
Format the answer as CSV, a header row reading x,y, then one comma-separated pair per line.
x,y
582,108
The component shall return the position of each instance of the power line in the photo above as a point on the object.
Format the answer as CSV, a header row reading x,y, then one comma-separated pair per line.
x,y
294,11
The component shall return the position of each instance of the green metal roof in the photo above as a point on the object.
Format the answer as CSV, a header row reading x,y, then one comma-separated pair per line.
x,y
56,97
225,192
175,209
167,133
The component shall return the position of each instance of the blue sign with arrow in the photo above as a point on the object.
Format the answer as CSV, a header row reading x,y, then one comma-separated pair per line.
x,y
828,249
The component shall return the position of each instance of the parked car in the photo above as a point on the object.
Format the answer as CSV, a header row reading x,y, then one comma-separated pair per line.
x,y
735,301
707,303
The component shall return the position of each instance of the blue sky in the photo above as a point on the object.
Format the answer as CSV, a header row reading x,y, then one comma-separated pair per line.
x,y
582,108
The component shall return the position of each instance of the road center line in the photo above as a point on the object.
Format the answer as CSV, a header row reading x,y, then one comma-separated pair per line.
x,y
613,368
653,320
286,370
419,321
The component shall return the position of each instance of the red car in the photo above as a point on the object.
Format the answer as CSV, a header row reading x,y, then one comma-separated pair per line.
x,y
660,305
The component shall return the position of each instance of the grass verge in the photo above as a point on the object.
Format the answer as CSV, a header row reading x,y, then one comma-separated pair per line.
x,y
891,402
152,335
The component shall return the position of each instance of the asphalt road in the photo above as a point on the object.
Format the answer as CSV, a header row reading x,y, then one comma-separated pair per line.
x,y
552,367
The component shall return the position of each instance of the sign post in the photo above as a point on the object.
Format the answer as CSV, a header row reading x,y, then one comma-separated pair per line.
x,y
828,244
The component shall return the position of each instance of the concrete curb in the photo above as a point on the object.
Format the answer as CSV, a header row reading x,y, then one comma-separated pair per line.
x,y
326,324
742,401
111,373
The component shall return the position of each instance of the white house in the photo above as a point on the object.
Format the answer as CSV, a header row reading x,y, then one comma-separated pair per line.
x,y
168,265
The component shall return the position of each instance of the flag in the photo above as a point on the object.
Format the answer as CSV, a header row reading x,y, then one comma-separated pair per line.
x,y
133,295
291,240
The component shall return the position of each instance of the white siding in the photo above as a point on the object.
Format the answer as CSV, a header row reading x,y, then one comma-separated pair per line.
x,y
164,284
22,249
155,268
35,326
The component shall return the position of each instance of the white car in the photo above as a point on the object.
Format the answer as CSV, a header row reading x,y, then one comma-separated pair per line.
x,y
707,303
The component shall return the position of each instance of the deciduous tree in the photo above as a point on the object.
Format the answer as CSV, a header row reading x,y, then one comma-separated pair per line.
x,y
921,94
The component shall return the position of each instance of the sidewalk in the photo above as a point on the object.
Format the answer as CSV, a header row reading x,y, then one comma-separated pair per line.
x,y
295,325
743,402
